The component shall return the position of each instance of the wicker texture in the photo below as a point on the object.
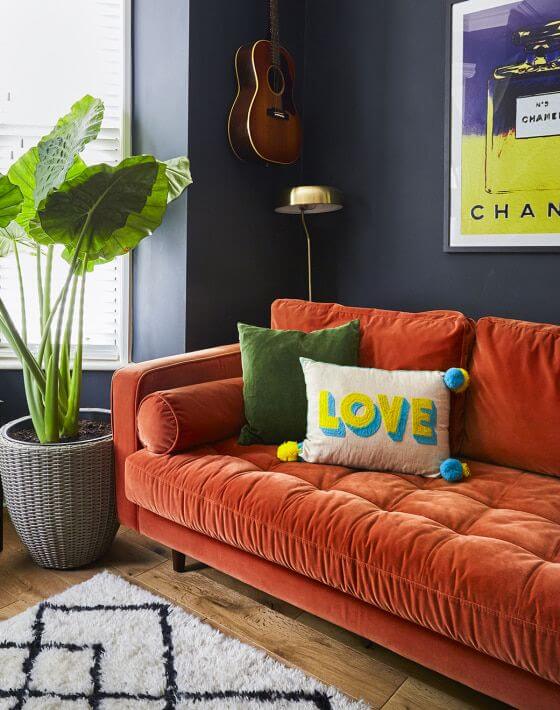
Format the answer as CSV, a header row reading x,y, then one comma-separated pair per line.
x,y
61,498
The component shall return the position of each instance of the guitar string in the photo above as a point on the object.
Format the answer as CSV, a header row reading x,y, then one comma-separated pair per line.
x,y
274,20
272,9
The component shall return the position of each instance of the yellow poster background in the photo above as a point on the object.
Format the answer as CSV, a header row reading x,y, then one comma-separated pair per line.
x,y
525,162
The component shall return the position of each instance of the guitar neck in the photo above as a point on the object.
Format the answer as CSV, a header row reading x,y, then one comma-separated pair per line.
x,y
274,32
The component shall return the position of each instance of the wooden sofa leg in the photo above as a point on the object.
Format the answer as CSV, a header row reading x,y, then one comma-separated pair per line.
x,y
179,563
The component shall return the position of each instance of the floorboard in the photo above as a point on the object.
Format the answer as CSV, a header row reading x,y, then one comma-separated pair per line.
x,y
324,650
283,637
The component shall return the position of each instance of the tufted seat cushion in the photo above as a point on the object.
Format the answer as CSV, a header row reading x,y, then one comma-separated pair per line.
x,y
478,562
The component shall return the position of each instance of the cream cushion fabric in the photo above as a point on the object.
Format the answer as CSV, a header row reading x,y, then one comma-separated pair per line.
x,y
379,420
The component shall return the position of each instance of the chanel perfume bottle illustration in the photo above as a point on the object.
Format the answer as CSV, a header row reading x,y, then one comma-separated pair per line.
x,y
523,120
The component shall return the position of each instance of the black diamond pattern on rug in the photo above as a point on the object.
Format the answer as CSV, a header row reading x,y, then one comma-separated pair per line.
x,y
97,696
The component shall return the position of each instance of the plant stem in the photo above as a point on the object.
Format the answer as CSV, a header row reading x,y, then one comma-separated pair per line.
x,y
64,361
21,295
45,350
64,291
39,273
22,351
71,422
71,309
45,339
35,404
52,420
33,400
81,306
6,332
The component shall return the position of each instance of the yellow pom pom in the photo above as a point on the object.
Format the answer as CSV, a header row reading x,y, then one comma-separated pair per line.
x,y
288,451
466,382
466,470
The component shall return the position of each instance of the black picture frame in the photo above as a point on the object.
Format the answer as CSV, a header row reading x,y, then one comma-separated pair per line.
x,y
447,247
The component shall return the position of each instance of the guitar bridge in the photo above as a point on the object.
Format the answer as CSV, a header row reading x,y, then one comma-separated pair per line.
x,y
277,113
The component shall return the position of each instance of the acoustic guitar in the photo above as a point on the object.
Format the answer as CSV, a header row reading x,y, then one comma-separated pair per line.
x,y
263,123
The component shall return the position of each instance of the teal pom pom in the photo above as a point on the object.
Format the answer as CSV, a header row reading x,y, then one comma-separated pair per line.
x,y
452,470
457,379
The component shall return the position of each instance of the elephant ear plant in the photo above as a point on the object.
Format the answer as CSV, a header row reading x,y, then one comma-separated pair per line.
x,y
51,197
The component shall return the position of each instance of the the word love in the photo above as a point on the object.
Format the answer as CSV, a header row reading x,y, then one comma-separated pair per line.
x,y
360,414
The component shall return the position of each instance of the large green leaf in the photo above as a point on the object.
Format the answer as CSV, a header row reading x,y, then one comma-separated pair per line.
x,y
6,245
22,173
58,150
116,207
13,233
10,201
55,159
178,171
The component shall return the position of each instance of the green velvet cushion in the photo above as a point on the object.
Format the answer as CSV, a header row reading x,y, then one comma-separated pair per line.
x,y
273,382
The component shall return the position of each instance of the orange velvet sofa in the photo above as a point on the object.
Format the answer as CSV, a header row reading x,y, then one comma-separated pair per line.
x,y
463,578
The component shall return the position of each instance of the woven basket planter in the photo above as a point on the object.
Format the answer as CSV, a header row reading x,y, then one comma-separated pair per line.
x,y
61,497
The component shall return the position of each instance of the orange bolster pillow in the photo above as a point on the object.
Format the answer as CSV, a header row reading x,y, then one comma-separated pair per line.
x,y
178,419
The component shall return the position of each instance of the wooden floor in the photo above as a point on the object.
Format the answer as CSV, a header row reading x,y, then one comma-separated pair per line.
x,y
335,656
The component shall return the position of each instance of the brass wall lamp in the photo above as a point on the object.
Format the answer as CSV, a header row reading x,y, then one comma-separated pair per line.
x,y
309,199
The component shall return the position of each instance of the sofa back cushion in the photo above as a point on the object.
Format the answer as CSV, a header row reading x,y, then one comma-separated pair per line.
x,y
393,340
513,403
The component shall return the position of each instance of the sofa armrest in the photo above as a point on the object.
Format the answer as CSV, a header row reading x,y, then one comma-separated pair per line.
x,y
132,383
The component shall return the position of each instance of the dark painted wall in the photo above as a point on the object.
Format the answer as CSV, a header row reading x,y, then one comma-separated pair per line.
x,y
374,107
160,40
222,254
95,393
240,254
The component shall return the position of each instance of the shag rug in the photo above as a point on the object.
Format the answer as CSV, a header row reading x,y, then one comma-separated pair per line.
x,y
109,644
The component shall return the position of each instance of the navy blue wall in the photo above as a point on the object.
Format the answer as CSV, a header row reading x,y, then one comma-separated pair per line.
x,y
160,41
374,110
240,254
95,393
222,254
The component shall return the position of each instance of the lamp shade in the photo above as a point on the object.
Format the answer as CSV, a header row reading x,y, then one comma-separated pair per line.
x,y
309,198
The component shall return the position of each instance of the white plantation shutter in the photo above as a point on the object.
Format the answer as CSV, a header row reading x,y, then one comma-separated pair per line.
x,y
57,51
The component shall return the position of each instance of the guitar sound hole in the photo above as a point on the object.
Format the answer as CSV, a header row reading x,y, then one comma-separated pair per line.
x,y
276,80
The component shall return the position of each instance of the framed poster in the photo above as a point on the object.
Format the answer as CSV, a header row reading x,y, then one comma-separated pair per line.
x,y
503,123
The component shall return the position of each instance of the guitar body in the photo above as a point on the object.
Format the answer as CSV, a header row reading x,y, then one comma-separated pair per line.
x,y
263,122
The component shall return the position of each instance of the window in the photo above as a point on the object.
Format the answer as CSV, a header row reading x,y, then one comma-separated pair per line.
x,y
67,49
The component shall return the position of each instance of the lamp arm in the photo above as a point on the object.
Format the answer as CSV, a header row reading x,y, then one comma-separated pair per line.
x,y
304,224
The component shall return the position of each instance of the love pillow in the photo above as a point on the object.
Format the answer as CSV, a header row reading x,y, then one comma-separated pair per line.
x,y
379,420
